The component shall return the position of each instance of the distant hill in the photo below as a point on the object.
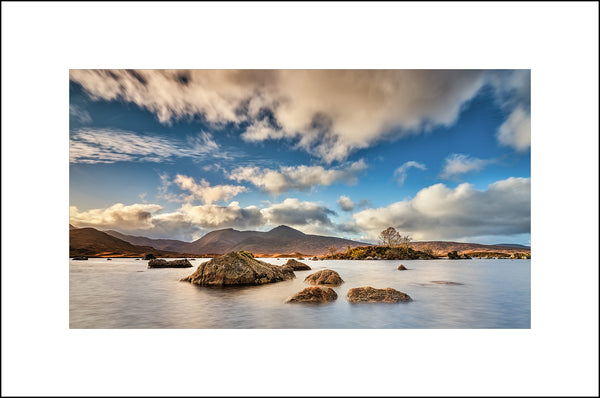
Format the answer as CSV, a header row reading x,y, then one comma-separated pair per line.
x,y
441,248
278,241
93,243
513,245
160,244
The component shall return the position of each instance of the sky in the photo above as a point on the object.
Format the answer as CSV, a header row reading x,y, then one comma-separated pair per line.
x,y
436,154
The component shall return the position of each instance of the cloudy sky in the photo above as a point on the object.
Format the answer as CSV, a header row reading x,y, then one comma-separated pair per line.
x,y
437,154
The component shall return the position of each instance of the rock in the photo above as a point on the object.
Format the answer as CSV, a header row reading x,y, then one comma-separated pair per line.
x,y
369,258
296,265
109,259
445,283
313,294
300,258
371,295
378,258
315,258
156,263
235,268
80,258
402,268
149,256
324,277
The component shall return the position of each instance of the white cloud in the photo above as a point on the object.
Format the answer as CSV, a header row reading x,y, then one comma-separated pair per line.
x,y
80,115
329,112
345,203
118,216
191,221
516,130
206,193
92,145
457,164
401,172
440,213
300,178
294,212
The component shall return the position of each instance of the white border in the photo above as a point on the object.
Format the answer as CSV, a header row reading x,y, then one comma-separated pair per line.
x,y
558,41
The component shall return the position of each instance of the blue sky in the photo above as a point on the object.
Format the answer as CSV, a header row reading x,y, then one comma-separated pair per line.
x,y
439,155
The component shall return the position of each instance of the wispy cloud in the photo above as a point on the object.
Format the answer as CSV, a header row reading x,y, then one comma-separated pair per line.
x,y
300,178
329,113
78,114
402,171
458,164
89,145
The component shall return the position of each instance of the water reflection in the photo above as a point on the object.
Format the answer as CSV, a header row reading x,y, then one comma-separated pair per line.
x,y
123,293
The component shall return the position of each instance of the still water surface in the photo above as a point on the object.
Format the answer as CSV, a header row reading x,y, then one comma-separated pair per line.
x,y
124,293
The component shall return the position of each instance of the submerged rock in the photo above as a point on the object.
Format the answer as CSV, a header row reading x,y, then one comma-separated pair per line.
x,y
169,264
371,295
402,268
296,265
236,268
446,283
313,294
324,277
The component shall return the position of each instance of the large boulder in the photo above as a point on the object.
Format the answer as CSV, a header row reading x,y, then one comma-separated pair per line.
x,y
371,295
313,294
324,277
296,265
159,263
238,268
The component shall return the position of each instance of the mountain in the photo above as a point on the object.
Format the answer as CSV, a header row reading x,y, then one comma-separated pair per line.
x,y
93,243
441,248
160,244
279,240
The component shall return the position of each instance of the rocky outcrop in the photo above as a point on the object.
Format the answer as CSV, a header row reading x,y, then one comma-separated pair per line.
x,y
453,255
237,268
313,294
371,295
159,263
296,265
402,268
149,256
324,277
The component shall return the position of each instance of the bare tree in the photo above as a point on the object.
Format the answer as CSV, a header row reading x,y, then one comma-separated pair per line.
x,y
405,240
332,250
389,237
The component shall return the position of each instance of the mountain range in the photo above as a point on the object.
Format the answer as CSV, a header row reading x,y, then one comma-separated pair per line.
x,y
280,241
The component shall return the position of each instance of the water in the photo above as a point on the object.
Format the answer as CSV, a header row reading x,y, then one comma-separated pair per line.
x,y
124,293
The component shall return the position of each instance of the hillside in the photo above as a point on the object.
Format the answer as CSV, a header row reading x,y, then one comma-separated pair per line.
x,y
159,244
93,243
278,241
441,248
